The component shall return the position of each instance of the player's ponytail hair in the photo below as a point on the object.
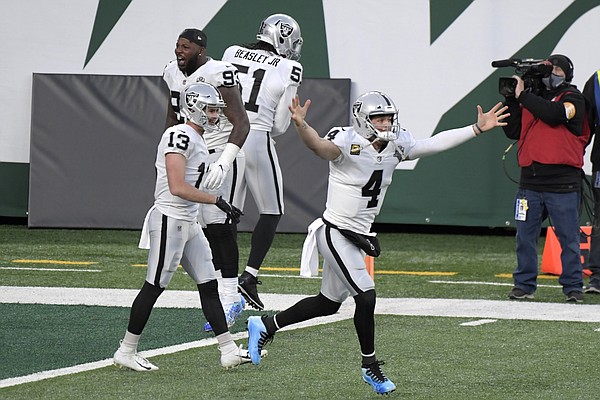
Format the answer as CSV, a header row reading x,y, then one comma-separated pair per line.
x,y
260,45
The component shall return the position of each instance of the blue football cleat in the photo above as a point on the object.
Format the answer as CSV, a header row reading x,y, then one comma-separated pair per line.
x,y
257,338
373,375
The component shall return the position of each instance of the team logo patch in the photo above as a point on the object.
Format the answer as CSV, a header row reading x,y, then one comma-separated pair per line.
x,y
354,149
191,98
285,30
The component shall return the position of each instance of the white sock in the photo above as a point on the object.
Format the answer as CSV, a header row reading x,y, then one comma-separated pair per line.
x,y
226,343
229,294
219,281
129,343
251,271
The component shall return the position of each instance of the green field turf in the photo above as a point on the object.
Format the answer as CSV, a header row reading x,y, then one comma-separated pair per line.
x,y
427,357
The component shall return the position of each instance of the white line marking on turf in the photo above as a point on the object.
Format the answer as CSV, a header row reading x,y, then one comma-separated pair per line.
x,y
597,330
38,376
487,283
478,322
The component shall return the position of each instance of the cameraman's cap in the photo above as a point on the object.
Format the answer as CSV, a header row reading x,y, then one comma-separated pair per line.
x,y
194,36
564,63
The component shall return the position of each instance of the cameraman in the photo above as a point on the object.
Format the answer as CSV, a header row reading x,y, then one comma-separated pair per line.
x,y
591,91
549,127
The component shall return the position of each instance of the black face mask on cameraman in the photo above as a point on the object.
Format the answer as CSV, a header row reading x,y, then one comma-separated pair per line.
x,y
553,81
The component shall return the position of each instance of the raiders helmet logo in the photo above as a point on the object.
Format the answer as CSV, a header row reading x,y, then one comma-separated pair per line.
x,y
285,30
191,98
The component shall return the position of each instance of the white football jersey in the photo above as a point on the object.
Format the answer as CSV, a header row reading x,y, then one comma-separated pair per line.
x,y
217,73
359,178
182,139
264,77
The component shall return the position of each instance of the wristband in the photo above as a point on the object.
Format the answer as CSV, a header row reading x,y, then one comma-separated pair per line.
x,y
477,128
228,155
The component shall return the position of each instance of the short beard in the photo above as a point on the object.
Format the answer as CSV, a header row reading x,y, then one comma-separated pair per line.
x,y
192,65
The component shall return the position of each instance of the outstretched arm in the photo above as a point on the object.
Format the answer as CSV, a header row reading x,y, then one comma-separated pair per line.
x,y
322,147
451,138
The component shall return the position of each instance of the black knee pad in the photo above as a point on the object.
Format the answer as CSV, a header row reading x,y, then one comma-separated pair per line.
x,y
327,307
365,299
269,220
223,246
151,291
212,307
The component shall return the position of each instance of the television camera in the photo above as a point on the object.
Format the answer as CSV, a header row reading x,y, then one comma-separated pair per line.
x,y
530,70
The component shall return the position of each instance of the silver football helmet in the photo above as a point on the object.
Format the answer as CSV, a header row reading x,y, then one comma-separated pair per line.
x,y
371,104
194,101
283,33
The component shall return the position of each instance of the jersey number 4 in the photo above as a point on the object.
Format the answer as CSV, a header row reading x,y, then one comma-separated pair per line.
x,y
372,188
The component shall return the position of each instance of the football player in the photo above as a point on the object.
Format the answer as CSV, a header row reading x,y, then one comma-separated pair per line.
x,y
362,159
193,65
270,74
171,230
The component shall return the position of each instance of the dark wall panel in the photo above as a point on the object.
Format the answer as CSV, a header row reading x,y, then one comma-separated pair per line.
x,y
93,145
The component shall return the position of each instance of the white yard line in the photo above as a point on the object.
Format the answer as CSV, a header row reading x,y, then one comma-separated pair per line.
x,y
479,322
485,310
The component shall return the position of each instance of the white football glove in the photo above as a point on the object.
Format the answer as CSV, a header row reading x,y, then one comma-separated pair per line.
x,y
217,171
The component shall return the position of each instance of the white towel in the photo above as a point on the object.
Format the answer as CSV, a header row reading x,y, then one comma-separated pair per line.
x,y
309,263
145,236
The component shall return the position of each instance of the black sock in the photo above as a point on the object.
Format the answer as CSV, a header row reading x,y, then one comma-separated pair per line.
x,y
270,324
262,238
368,360
142,307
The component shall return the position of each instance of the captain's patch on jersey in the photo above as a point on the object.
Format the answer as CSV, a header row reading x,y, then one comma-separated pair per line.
x,y
354,149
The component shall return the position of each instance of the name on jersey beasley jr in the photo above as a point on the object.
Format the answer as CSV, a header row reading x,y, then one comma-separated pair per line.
x,y
259,58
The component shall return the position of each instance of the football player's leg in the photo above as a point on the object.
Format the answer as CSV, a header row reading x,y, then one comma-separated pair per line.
x,y
166,244
221,234
167,241
265,182
197,262
333,289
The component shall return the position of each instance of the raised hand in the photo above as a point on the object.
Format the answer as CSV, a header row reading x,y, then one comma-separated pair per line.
x,y
298,111
492,118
